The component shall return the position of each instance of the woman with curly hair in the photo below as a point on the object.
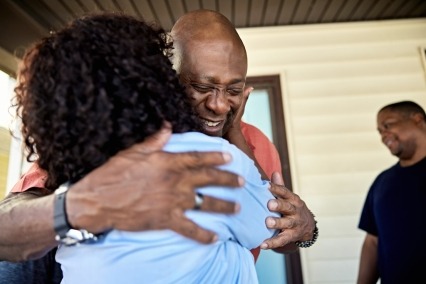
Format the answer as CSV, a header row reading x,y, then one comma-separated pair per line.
x,y
93,89
98,86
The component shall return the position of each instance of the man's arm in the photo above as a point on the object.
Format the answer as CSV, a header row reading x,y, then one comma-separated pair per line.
x,y
297,222
368,269
26,225
141,188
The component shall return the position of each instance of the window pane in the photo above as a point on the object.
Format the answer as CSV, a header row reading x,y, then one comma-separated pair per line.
x,y
257,112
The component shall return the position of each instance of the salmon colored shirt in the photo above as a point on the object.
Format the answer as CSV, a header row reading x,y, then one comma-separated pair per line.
x,y
34,177
264,151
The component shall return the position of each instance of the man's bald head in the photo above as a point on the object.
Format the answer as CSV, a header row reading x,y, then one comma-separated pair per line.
x,y
203,27
211,61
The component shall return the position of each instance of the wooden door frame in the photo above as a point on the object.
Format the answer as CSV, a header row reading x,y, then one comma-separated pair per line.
x,y
271,83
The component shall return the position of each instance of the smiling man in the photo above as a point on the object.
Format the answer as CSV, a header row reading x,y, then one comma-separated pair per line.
x,y
211,61
394,213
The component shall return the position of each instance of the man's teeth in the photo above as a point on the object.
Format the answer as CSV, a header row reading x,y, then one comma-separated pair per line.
x,y
211,123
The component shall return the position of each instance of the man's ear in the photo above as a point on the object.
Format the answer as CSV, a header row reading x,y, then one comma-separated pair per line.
x,y
418,119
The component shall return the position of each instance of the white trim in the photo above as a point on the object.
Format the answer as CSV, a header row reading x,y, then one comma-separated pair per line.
x,y
15,152
422,50
15,161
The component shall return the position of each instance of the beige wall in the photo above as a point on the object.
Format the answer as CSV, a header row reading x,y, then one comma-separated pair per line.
x,y
334,79
4,159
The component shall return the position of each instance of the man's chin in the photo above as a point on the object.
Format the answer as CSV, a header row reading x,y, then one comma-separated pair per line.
x,y
213,133
396,152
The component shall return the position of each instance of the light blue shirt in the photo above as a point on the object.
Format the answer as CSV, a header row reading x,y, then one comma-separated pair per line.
x,y
164,256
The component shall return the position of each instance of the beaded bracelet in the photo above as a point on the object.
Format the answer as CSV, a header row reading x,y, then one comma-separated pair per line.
x,y
309,243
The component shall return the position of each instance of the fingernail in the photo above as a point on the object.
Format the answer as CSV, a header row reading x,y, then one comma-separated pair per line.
x,y
214,239
237,207
227,157
272,204
270,222
264,246
241,181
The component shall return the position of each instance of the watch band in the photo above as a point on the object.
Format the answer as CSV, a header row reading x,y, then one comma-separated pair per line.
x,y
65,234
60,220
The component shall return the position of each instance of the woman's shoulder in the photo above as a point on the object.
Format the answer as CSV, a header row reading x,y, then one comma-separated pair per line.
x,y
198,141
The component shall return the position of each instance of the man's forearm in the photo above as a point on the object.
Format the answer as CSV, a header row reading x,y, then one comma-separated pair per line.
x,y
368,268
26,222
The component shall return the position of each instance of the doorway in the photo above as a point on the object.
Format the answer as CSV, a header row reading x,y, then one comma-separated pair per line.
x,y
264,110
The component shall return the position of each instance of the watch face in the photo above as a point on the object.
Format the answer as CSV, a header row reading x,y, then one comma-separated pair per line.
x,y
73,237
67,241
63,188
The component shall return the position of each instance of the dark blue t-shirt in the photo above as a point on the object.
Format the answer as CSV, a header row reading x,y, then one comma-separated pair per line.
x,y
395,211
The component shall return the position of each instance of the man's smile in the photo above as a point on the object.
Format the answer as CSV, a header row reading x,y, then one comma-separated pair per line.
x,y
388,142
211,123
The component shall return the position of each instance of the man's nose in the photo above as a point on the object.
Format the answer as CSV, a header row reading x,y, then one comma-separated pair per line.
x,y
218,103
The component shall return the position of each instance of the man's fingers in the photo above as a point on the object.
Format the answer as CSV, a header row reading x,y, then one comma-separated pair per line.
x,y
188,228
210,176
280,191
282,206
191,230
241,109
277,178
211,204
196,160
247,91
280,223
277,241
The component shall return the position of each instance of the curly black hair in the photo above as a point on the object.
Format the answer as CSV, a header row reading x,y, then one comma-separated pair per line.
x,y
97,86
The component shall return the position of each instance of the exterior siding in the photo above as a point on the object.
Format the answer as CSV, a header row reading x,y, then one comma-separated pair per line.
x,y
335,77
4,159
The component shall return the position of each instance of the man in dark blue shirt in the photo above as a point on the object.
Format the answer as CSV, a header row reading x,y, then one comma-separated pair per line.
x,y
394,213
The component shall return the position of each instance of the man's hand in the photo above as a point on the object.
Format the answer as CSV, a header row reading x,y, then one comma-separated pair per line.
x,y
297,222
145,188
234,132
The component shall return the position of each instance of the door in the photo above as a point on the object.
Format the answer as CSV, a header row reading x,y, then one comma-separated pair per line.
x,y
264,109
